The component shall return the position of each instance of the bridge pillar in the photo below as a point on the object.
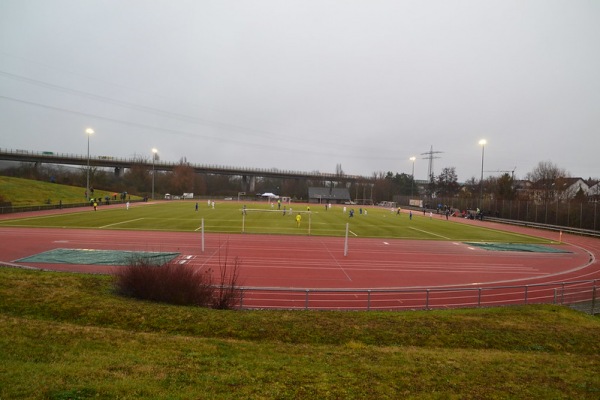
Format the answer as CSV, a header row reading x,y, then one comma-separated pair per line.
x,y
248,183
118,171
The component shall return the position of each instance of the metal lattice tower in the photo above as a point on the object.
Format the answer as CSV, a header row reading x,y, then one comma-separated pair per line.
x,y
431,155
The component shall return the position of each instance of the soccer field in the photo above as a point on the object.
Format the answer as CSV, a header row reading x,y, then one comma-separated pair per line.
x,y
261,218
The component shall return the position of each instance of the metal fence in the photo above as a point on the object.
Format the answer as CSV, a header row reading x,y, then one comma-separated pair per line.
x,y
566,213
39,207
581,299
58,206
569,213
582,295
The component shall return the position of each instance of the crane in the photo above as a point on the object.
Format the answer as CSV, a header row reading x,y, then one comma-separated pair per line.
x,y
512,172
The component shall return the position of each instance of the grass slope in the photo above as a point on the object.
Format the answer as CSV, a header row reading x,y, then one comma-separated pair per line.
x,y
27,192
227,217
65,336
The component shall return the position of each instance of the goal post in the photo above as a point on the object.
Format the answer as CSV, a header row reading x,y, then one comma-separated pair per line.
x,y
276,221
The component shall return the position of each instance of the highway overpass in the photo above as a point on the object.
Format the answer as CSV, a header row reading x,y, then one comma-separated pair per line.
x,y
248,175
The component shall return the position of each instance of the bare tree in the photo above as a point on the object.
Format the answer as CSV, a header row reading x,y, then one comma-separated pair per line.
x,y
138,178
545,178
181,179
382,186
470,188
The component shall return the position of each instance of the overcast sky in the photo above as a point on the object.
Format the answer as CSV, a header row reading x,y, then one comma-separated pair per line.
x,y
306,85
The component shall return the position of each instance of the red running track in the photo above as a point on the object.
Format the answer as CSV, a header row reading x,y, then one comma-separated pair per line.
x,y
312,272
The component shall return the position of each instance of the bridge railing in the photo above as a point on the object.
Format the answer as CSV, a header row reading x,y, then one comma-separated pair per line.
x,y
49,156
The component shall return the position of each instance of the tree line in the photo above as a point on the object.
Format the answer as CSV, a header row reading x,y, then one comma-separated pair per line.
x,y
383,186
139,179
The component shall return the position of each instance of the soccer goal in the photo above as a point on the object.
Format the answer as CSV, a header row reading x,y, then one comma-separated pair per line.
x,y
286,220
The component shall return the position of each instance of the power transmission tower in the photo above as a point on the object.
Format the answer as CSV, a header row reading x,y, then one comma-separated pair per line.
x,y
431,155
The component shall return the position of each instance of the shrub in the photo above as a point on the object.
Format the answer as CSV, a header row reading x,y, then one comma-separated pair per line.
x,y
227,293
168,283
179,284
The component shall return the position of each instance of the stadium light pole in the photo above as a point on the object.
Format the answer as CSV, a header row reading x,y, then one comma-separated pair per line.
x,y
412,184
154,151
89,132
482,142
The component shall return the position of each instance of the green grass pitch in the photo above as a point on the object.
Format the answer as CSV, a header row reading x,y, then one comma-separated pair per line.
x,y
261,218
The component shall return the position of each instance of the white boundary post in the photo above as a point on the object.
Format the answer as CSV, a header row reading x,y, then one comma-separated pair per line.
x,y
309,220
346,241
202,229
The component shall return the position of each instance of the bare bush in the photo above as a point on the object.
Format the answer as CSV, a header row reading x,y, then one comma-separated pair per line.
x,y
178,284
168,283
227,294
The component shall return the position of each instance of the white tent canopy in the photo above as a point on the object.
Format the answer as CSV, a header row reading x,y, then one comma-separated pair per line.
x,y
270,195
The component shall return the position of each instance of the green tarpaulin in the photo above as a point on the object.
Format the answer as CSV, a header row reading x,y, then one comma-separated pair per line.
x,y
99,257
535,248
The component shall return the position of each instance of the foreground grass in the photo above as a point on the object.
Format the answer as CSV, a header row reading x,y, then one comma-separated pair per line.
x,y
68,336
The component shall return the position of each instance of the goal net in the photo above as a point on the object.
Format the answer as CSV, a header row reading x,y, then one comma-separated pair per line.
x,y
285,220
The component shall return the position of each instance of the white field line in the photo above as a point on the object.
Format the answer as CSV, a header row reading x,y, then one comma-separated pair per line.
x,y
217,252
262,210
336,261
122,222
430,233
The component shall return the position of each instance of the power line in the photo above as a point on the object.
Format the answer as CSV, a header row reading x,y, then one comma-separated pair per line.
x,y
312,150
187,118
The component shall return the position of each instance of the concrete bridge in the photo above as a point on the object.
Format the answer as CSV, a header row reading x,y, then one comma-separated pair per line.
x,y
248,175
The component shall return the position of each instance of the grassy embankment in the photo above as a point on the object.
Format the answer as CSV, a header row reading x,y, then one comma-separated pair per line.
x,y
26,192
68,336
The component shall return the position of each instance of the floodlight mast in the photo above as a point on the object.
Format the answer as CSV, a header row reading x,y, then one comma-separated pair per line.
x,y
482,142
412,183
154,151
89,132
